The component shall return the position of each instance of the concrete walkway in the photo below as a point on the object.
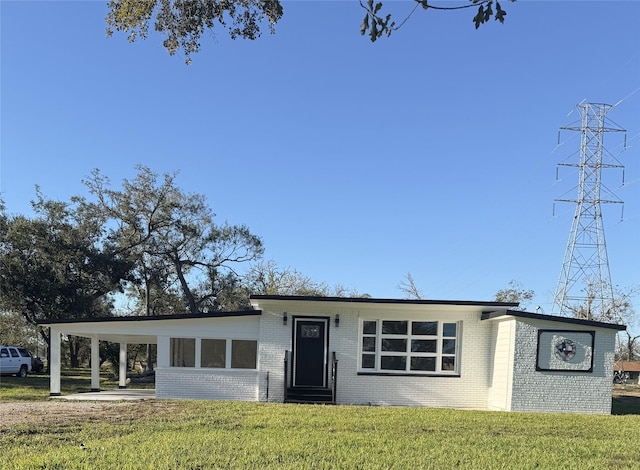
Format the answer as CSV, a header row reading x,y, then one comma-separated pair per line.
x,y
112,395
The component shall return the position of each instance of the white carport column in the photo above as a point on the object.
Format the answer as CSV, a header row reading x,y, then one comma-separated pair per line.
x,y
95,364
54,362
122,371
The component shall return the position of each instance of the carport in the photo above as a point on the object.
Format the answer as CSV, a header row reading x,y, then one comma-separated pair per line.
x,y
121,330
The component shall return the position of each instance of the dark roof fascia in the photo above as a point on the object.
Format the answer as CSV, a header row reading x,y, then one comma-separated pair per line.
x,y
182,316
371,300
554,318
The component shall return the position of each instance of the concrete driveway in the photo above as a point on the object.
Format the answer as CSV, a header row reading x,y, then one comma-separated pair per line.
x,y
112,395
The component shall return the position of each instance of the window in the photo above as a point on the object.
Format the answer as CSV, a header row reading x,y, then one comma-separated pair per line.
x,y
24,353
404,346
183,352
243,354
214,353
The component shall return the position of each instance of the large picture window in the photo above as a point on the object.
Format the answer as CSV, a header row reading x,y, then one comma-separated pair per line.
x,y
409,346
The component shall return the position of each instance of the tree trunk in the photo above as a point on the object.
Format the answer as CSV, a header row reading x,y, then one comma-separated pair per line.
x,y
191,301
47,340
74,348
149,358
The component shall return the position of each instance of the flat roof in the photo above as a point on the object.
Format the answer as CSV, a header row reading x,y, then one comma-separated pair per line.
x,y
179,316
554,318
371,300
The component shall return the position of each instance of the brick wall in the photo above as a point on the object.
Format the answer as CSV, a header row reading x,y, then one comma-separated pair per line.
x,y
561,391
207,384
469,390
501,346
275,338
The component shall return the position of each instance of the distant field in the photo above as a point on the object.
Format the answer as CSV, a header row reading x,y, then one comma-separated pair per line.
x,y
208,434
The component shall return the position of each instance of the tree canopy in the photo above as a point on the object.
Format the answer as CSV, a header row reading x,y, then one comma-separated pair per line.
x,y
268,278
183,22
57,265
515,293
178,251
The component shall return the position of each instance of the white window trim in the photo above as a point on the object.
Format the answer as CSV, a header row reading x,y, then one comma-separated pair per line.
x,y
377,370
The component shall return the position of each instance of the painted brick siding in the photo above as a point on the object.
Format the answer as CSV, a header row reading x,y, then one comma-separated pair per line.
x,y
275,338
502,337
470,390
554,391
200,384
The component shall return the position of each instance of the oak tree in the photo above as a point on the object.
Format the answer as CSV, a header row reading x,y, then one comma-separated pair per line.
x,y
57,264
183,22
172,239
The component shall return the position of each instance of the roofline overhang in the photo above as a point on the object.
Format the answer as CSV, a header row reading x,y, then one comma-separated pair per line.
x,y
554,318
371,300
241,313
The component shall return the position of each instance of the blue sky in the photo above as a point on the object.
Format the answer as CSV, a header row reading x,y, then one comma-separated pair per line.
x,y
432,152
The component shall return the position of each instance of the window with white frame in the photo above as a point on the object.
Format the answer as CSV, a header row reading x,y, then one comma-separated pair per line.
x,y
409,346
243,354
183,352
214,353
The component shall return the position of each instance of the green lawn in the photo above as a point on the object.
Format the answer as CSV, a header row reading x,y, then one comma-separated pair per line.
x,y
210,434
36,386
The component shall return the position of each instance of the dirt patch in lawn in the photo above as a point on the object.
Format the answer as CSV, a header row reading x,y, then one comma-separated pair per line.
x,y
626,391
78,412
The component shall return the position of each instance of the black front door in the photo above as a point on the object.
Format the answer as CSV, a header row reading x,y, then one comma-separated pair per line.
x,y
310,353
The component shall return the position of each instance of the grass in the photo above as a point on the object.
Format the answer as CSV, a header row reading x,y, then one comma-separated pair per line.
x,y
209,434
35,387
212,434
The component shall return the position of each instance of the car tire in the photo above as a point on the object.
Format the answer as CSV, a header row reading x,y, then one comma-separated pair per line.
x,y
23,372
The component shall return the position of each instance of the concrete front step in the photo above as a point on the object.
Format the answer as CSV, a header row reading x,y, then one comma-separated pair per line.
x,y
309,395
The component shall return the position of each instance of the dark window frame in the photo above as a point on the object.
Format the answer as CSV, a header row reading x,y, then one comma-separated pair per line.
x,y
382,359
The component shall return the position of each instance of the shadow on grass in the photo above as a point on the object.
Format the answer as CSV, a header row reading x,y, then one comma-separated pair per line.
x,y
625,405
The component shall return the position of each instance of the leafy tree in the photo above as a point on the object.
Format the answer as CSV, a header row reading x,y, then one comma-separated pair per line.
x,y
408,286
183,22
15,329
617,309
171,238
515,293
57,265
267,278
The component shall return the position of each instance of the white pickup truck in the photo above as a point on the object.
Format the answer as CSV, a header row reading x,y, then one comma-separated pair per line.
x,y
14,360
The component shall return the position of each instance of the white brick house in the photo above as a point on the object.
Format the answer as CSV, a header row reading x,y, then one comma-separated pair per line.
x,y
457,354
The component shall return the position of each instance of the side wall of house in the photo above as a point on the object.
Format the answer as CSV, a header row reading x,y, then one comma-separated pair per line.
x,y
502,341
208,383
561,391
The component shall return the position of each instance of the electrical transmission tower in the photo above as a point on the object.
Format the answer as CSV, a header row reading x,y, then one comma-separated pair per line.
x,y
584,288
